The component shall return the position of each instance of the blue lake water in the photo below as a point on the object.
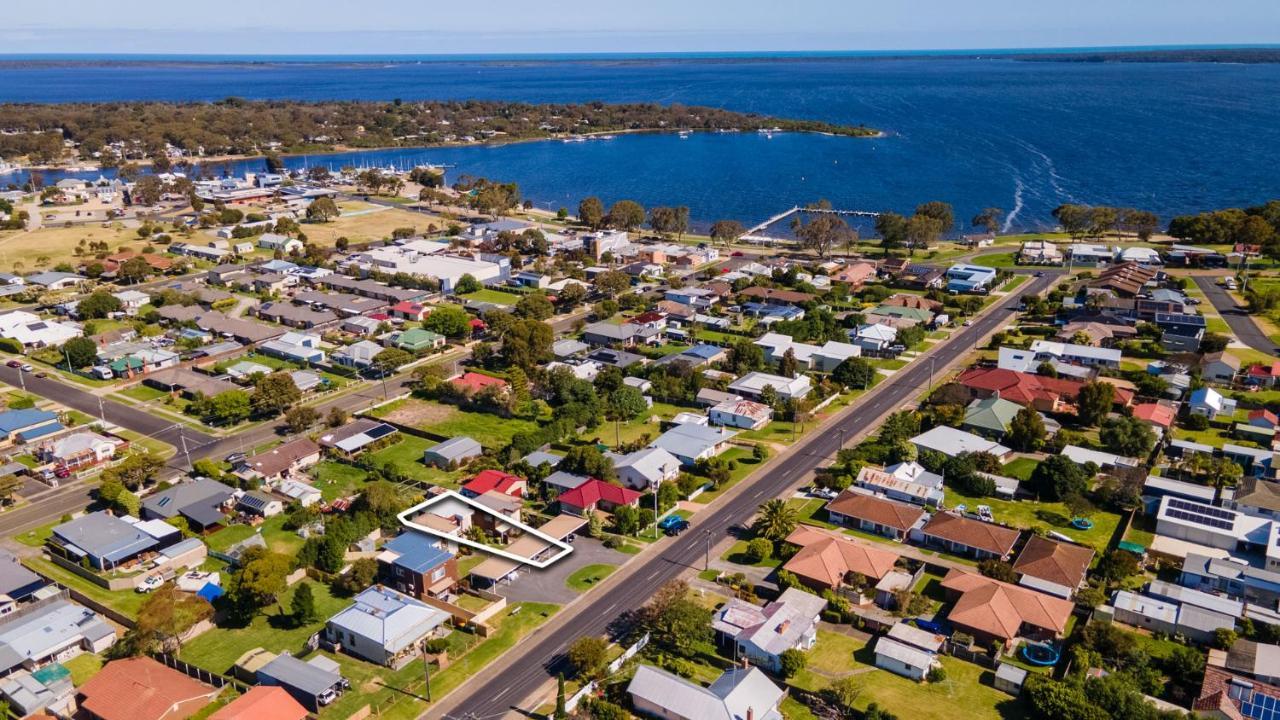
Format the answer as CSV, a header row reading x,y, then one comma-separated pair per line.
x,y
1024,136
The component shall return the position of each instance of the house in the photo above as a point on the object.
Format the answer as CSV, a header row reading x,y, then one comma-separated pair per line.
x,y
776,296
453,452
55,280
738,694
903,659
952,442
19,422
140,688
355,436
281,462
1086,355
1215,527
1231,577
1225,694
620,359
473,382
1053,567
645,468
410,310
1210,403
17,583
1046,394
495,481
905,482
415,564
562,481
39,695
743,414
384,627
1263,418
260,504
1160,615
1157,415
873,514
990,416
298,316
300,492
1219,367
966,278
314,683
829,561
1259,661
272,241
131,300
358,355
855,275
295,346
108,541
691,443
33,332
993,611
596,495
259,703
964,536
50,631
788,623
417,340
626,334
80,450
201,502
1040,252
874,337
752,385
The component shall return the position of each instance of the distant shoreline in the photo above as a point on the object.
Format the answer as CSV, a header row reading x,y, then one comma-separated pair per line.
x,y
1252,54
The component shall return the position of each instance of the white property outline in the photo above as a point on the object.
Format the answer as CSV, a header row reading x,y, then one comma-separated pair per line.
x,y
447,494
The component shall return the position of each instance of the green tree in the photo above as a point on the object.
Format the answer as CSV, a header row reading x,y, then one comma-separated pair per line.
x,y
303,605
534,306
775,520
988,219
134,471
527,344
323,209
892,228
388,361
591,212
80,352
1057,477
467,284
228,407
300,418
999,570
1128,436
854,373
560,712
791,662
758,550
823,232
626,215
261,579
727,231
588,656
450,321
162,619
274,393
1094,402
923,231
613,283
1026,431
675,622
99,304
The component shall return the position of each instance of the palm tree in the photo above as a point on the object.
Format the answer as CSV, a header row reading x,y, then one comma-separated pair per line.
x,y
776,520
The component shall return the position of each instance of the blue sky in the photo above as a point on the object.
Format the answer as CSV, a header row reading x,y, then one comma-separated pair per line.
x,y
541,26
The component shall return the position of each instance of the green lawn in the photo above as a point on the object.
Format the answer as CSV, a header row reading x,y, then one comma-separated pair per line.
x,y
1013,283
1001,260
1020,468
217,650
746,465
335,479
737,554
406,456
448,421
967,686
143,393
497,297
83,667
585,577
1028,514
126,602
272,529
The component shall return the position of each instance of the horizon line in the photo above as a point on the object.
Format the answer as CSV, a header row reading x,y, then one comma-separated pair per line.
x,y
647,54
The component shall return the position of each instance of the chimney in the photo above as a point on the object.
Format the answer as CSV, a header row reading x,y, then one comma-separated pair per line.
x,y
751,714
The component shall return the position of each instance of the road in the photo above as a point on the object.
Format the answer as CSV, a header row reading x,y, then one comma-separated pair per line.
x,y
1242,325
521,674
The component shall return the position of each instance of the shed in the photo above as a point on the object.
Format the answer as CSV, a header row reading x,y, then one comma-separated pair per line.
x,y
1009,678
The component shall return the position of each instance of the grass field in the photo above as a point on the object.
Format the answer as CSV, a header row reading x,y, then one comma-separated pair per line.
x,y
373,223
335,479
1028,514
83,667
278,539
59,243
125,601
587,576
497,297
406,456
272,630
448,421
1020,468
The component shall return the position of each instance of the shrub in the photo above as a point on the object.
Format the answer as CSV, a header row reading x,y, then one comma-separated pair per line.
x,y
759,549
937,673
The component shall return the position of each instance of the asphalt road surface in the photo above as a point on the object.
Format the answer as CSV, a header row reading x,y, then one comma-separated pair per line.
x,y
524,672
1242,325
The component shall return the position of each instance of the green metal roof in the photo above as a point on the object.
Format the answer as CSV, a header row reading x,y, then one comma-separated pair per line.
x,y
993,413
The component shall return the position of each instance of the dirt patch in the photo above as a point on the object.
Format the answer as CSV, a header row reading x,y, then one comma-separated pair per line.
x,y
419,414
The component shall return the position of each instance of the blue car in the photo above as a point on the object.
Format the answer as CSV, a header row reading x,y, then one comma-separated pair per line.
x,y
673,525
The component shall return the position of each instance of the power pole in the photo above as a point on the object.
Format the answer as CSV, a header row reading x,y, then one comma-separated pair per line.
x,y
182,436
426,669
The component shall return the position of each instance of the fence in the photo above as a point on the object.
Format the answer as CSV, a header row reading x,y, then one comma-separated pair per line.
x,y
629,653
571,703
198,673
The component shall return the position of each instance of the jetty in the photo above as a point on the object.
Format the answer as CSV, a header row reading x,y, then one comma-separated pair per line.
x,y
754,233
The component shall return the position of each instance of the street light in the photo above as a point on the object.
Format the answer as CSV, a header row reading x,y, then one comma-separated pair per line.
x,y
653,487
706,558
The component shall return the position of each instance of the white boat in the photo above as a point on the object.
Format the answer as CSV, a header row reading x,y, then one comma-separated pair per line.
x,y
684,134
575,140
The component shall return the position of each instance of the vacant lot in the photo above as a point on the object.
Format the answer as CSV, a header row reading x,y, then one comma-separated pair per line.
x,y
362,222
448,421
59,244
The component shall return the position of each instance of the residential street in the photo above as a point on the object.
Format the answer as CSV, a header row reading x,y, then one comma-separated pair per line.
x,y
515,676
1243,326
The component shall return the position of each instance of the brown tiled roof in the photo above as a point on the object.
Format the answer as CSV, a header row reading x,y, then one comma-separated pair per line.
x,y
889,513
913,301
142,689
1256,492
1000,609
262,703
273,462
776,295
1214,694
827,558
995,539
1057,562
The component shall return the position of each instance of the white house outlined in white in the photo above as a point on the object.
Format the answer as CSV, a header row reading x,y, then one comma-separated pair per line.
x,y
450,495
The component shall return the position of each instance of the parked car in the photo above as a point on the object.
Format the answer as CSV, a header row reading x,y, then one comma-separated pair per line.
x,y
27,368
42,374
149,583
14,363
673,525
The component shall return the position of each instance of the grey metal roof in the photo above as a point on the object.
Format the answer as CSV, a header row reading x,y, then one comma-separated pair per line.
x,y
14,576
203,492
728,698
456,448
290,671
388,618
103,535
47,629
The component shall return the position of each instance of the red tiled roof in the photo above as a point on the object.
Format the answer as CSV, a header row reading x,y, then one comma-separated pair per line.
x,y
992,538
494,480
1267,415
477,381
262,703
408,307
1161,415
1058,562
897,515
142,689
1270,371
1021,388
647,317
828,558
593,491
1215,695
1000,609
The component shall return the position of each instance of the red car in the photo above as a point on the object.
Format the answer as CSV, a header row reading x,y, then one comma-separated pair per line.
x,y
14,363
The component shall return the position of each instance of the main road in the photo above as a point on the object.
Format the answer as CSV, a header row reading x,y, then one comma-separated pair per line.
x,y
1241,324
518,674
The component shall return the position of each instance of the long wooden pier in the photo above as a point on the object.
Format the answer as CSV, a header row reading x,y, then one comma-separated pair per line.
x,y
753,233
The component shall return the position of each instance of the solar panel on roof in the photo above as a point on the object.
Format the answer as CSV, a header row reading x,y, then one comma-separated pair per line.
x,y
379,431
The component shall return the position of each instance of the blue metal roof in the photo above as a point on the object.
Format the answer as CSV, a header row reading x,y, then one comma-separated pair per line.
x,y
418,552
210,592
18,419
706,352
29,435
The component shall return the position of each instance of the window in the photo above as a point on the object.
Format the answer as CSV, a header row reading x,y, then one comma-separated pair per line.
x,y
437,574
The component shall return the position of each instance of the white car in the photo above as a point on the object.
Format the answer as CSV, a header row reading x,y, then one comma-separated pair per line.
x,y
151,582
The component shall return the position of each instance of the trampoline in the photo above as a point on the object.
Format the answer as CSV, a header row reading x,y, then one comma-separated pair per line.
x,y
1040,654
1082,523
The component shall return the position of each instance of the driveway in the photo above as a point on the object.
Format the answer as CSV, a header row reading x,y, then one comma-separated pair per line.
x,y
547,584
